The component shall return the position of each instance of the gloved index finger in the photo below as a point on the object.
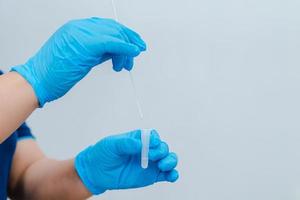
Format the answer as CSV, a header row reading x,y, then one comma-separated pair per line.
x,y
119,47
135,38
154,139
126,146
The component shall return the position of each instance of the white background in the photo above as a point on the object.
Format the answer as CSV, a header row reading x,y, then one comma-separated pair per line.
x,y
220,81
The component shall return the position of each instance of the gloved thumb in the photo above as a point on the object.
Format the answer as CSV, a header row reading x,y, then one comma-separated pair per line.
x,y
128,146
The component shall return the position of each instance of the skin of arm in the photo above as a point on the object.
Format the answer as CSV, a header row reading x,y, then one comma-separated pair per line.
x,y
34,176
17,102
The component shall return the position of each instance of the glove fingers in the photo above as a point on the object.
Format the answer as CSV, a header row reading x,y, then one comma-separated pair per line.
x,y
154,137
168,163
135,38
120,47
135,137
118,62
127,146
170,176
159,152
129,63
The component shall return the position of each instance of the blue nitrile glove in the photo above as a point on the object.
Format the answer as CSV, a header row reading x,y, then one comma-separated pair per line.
x,y
73,50
115,163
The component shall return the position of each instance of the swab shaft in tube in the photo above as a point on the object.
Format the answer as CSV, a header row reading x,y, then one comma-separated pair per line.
x,y
145,137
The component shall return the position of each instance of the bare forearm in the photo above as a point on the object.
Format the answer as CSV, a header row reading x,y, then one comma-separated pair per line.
x,y
51,179
17,102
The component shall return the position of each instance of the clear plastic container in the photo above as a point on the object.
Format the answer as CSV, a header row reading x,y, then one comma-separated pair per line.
x,y
145,138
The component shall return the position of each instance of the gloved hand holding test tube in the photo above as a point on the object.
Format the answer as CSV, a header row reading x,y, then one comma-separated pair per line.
x,y
115,162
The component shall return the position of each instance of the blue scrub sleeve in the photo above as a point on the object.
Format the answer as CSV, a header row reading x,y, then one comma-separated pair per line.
x,y
24,132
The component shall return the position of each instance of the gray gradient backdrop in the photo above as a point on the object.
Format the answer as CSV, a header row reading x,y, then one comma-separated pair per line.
x,y
220,81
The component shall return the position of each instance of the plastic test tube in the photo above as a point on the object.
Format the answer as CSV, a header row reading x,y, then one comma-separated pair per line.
x,y
145,137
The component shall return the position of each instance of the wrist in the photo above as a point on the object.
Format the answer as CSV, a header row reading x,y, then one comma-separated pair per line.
x,y
25,73
80,187
25,88
84,171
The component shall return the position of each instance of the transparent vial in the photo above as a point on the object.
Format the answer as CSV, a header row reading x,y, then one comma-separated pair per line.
x,y
145,138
